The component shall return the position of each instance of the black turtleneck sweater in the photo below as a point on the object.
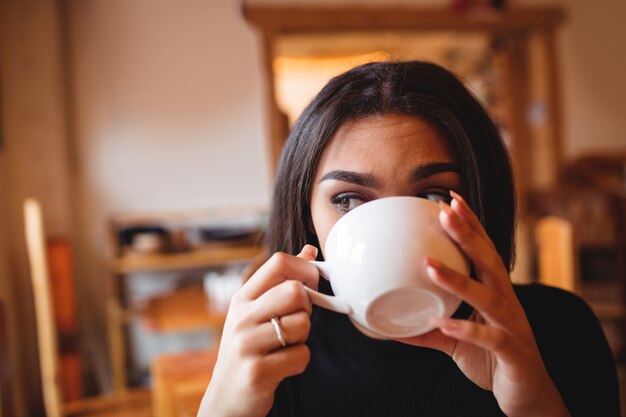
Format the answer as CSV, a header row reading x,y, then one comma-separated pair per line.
x,y
352,375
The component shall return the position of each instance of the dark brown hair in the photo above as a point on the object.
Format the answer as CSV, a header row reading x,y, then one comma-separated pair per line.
x,y
420,89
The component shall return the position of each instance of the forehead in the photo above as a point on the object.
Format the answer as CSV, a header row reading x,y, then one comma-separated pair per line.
x,y
385,141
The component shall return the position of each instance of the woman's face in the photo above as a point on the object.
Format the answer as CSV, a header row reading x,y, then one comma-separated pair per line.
x,y
380,156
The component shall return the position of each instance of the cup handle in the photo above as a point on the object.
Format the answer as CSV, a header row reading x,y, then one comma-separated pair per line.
x,y
333,303
321,266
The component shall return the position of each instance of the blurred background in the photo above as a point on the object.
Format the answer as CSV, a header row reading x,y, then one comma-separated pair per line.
x,y
147,133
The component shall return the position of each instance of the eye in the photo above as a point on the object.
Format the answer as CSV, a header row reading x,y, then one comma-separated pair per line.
x,y
347,201
436,195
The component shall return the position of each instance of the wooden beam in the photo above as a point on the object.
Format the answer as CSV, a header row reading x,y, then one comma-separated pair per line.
x,y
292,19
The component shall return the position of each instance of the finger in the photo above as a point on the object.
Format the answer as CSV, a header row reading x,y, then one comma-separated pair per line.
x,y
434,339
284,363
279,268
460,206
492,339
486,260
263,338
281,300
308,252
492,305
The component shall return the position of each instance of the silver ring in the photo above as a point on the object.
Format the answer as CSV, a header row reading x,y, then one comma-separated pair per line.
x,y
279,331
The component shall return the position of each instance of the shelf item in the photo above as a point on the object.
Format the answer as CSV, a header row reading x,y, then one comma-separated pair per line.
x,y
182,231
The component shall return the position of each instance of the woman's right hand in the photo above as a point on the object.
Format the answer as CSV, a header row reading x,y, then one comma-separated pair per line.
x,y
252,361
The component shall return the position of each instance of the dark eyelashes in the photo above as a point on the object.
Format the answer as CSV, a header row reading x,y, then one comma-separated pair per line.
x,y
346,201
437,195
343,202
341,196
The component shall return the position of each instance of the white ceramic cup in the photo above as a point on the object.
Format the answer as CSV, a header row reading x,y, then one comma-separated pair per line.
x,y
375,262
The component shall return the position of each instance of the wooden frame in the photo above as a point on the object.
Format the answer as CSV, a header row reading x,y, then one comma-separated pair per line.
x,y
516,25
6,378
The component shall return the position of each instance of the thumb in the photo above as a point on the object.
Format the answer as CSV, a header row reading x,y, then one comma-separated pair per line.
x,y
308,252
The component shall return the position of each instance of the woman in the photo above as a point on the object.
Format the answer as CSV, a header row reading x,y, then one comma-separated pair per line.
x,y
386,129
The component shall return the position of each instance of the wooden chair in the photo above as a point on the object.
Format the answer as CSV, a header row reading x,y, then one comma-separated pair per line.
x,y
557,258
6,395
135,403
180,381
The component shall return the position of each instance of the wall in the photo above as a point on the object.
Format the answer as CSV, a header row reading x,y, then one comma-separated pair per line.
x,y
167,103
168,110
33,164
6,288
593,68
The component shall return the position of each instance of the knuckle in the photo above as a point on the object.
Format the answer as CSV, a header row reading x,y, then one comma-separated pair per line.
x,y
279,259
239,319
469,330
305,357
237,299
306,354
495,261
498,305
255,372
302,296
464,232
295,288
494,301
295,293
499,340
462,283
239,344
303,323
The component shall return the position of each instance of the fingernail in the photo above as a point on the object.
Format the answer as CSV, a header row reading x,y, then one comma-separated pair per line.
x,y
459,204
457,196
444,207
311,249
444,324
433,262
432,273
449,325
437,273
451,214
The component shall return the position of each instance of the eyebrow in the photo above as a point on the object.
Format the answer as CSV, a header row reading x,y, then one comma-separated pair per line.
x,y
366,180
428,170
419,173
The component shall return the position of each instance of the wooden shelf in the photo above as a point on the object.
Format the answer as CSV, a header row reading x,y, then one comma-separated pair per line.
x,y
185,309
224,236
205,257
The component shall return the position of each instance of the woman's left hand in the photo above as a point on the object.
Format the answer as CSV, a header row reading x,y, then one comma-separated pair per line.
x,y
495,348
